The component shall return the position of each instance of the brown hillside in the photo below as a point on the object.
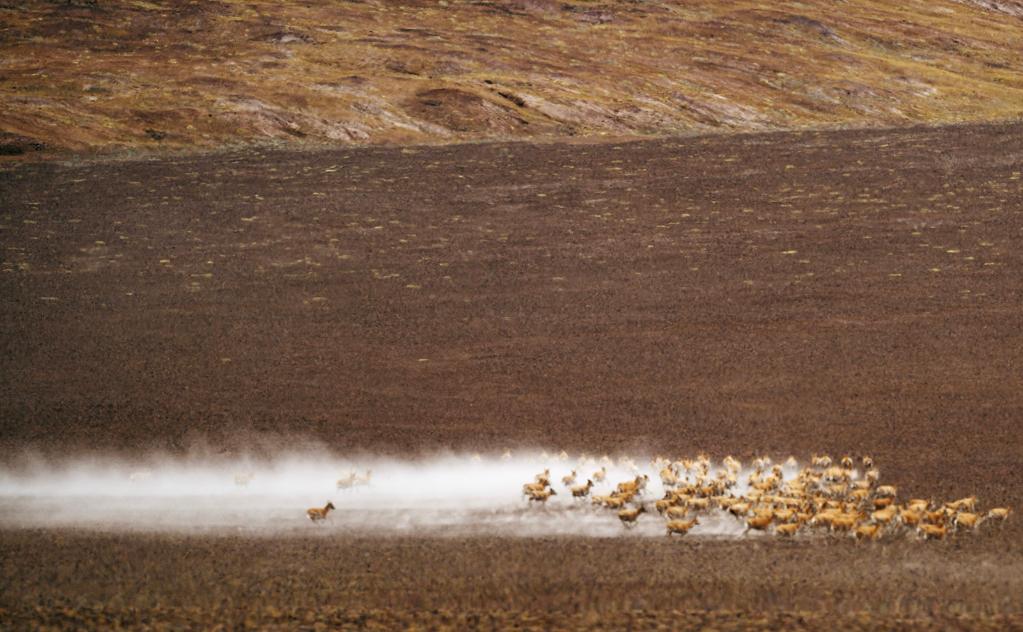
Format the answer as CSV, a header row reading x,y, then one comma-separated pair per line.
x,y
103,75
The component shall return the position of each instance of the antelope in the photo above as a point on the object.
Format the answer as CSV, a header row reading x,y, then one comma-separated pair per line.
x,y
581,491
699,504
544,478
629,516
316,513
676,513
668,477
347,482
998,513
883,502
615,502
634,485
884,516
887,490
868,463
739,509
787,530
760,522
542,496
963,503
868,532
568,480
844,522
933,532
532,488
600,474
918,504
664,504
967,520
681,527
910,517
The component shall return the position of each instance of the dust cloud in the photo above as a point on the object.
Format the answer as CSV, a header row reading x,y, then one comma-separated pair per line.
x,y
455,494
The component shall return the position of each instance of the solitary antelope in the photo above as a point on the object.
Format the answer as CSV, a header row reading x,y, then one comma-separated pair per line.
x,y
316,514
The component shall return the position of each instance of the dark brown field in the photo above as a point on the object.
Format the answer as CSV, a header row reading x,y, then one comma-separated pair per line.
x,y
784,293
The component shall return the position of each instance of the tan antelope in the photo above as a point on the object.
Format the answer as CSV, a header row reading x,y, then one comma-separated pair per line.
x,y
868,532
933,532
681,527
582,491
629,516
542,496
787,530
998,513
316,513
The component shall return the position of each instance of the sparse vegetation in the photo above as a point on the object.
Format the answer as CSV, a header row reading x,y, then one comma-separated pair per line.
x,y
162,74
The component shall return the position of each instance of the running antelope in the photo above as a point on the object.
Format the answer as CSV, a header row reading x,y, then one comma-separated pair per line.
x,y
316,513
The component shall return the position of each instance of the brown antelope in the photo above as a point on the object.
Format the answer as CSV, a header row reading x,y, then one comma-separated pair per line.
x,y
568,480
532,488
676,513
600,474
910,517
868,532
933,532
681,527
316,513
542,496
787,530
883,502
629,516
760,522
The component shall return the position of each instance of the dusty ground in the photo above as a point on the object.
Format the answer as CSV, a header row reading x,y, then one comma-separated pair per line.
x,y
67,579
782,293
85,75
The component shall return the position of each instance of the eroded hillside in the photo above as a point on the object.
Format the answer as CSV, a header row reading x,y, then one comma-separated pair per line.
x,y
109,75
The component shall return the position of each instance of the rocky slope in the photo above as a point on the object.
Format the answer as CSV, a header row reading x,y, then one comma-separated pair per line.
x,y
102,75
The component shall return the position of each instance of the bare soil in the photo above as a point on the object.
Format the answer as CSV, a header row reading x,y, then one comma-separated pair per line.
x,y
782,293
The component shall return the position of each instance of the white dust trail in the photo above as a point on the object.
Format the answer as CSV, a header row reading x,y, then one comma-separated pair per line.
x,y
443,495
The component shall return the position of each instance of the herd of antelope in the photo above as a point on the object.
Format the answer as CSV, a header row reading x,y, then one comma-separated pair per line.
x,y
826,497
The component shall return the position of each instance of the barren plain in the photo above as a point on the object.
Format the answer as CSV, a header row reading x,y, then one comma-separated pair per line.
x,y
779,293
